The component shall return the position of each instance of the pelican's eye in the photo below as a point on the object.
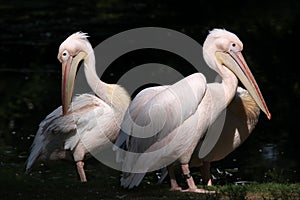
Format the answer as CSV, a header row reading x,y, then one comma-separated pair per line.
x,y
234,47
65,55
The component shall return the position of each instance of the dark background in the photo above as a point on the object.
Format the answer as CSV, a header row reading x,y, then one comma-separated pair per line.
x,y
31,32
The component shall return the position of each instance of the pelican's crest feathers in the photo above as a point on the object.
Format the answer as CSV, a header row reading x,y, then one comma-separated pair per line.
x,y
79,35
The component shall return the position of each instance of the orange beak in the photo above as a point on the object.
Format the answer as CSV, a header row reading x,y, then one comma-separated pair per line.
x,y
69,69
237,64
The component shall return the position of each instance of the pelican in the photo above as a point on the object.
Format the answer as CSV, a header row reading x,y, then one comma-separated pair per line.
x,y
86,124
164,124
241,118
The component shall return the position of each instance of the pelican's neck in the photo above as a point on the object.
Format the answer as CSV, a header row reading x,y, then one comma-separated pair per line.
x,y
221,93
112,94
229,83
226,83
227,78
101,89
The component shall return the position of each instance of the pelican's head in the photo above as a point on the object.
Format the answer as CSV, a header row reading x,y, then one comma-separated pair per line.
x,y
74,49
219,40
223,49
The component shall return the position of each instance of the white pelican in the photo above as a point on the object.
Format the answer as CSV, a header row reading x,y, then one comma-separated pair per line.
x,y
178,116
92,120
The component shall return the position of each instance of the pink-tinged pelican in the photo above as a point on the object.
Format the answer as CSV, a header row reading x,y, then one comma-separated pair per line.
x,y
87,123
166,123
241,118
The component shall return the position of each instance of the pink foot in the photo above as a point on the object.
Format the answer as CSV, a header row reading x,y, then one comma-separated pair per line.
x,y
175,188
197,190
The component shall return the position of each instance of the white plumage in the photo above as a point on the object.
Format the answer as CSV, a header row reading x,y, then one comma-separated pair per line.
x,y
90,122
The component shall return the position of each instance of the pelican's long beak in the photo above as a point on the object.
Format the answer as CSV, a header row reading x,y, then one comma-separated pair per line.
x,y
237,64
69,69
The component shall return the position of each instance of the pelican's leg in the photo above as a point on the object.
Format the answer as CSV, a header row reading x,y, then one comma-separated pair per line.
x,y
80,171
173,182
205,172
190,181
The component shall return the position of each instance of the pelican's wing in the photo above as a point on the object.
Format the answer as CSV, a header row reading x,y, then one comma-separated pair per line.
x,y
58,132
142,97
156,123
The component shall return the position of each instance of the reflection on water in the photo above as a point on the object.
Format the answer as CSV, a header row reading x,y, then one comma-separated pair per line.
x,y
270,152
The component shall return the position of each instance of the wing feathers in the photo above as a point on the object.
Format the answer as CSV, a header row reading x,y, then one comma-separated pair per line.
x,y
154,118
57,132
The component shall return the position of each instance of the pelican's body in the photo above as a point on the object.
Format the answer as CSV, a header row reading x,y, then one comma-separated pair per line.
x,y
241,118
89,122
165,124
